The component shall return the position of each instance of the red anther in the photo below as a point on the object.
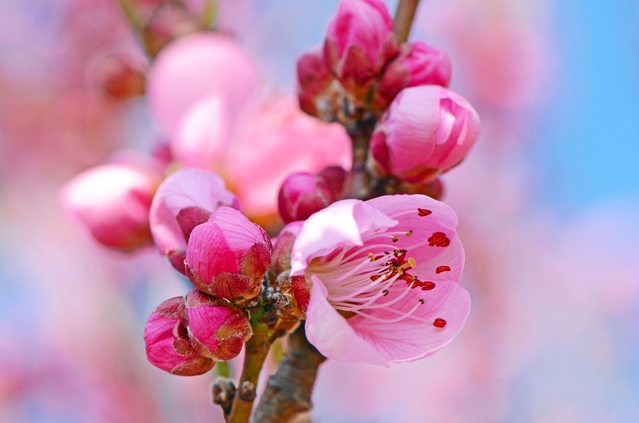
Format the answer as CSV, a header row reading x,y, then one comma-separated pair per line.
x,y
423,212
441,269
439,323
439,239
427,286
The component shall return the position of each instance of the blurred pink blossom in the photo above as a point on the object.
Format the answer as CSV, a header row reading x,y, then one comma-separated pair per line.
x,y
113,201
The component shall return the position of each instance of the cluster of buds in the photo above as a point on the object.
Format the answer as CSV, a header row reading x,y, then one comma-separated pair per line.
x,y
362,73
196,223
362,66
186,335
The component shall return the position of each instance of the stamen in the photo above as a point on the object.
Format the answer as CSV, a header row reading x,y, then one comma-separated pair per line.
x,y
409,233
441,269
423,212
400,318
439,323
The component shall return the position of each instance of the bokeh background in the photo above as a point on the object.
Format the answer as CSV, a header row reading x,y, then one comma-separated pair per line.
x,y
548,205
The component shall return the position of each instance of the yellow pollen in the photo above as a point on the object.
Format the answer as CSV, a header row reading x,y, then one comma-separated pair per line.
x,y
409,233
411,262
395,239
421,300
371,256
385,292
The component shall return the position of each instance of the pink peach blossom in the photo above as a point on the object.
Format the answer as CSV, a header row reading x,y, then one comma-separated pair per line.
x,y
228,255
184,200
113,201
194,68
359,43
426,131
384,278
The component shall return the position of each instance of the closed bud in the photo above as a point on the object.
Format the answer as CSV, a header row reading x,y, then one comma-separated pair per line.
x,y
112,201
334,176
167,341
228,256
166,24
217,329
282,247
426,131
359,43
119,75
313,81
417,64
302,194
184,200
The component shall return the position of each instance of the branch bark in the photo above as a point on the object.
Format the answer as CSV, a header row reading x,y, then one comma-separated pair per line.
x,y
288,391
404,19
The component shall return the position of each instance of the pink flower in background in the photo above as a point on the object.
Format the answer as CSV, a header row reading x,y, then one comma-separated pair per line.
x,y
184,200
228,255
384,278
359,43
194,68
417,64
113,201
284,135
426,131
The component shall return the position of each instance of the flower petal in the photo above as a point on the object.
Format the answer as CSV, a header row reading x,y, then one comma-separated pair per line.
x,y
342,223
332,334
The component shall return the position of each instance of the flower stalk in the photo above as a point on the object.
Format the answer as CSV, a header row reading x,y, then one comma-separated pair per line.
x,y
404,16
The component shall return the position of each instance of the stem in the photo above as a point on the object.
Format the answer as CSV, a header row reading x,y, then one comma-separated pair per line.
x,y
359,179
130,14
256,350
288,391
404,19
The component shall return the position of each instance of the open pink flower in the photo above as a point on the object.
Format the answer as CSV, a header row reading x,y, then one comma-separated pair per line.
x,y
184,200
384,278
112,201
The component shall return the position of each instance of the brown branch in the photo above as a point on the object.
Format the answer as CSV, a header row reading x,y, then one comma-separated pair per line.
x,y
358,180
131,15
404,19
256,350
288,391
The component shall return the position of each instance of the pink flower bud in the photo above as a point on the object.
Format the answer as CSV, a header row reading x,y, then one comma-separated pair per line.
x,y
359,43
167,341
228,255
334,176
119,75
216,328
313,80
184,200
112,201
417,64
301,195
282,246
426,131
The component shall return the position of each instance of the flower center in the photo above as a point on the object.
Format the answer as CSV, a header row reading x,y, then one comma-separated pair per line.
x,y
358,278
